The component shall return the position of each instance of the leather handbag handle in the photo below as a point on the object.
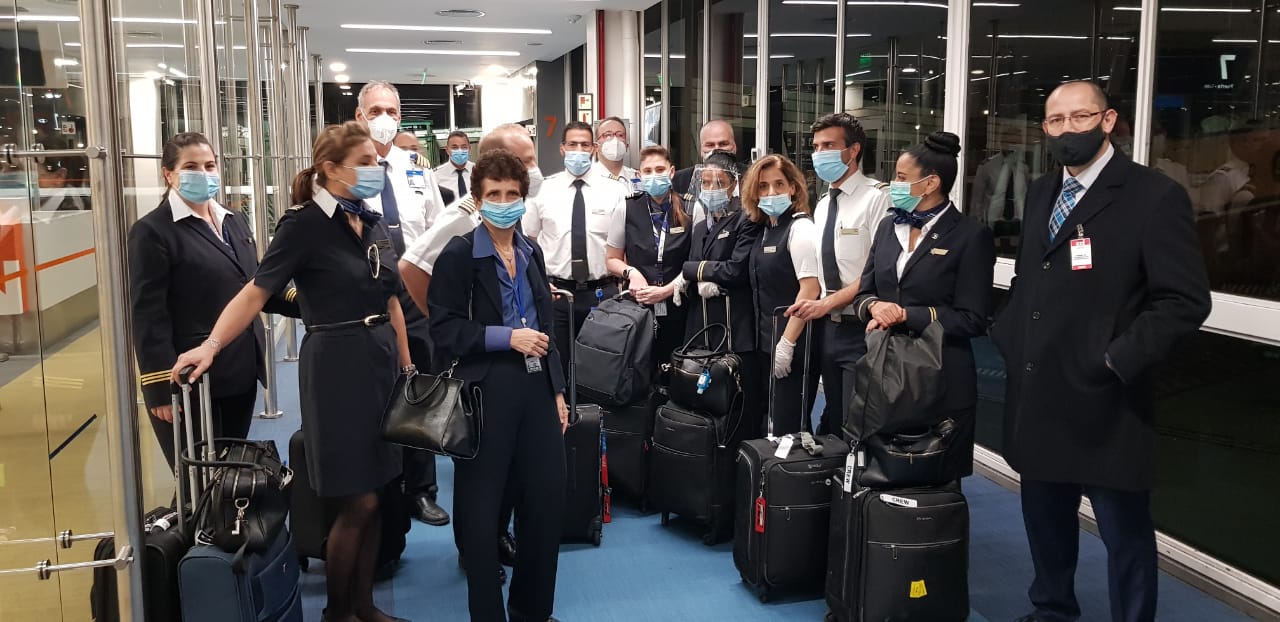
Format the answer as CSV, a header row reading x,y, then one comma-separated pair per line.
x,y
688,345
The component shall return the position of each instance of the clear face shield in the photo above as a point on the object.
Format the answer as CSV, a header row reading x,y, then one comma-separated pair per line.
x,y
712,188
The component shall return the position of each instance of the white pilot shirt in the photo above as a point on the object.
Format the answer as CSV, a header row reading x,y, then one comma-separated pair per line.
x,y
549,219
903,232
417,195
624,178
458,219
861,207
447,177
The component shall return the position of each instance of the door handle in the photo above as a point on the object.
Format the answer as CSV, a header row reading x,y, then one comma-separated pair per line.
x,y
44,570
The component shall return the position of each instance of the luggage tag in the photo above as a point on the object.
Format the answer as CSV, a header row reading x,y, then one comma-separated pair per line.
x,y
704,381
1081,251
784,447
416,179
760,510
660,309
899,501
850,465
532,364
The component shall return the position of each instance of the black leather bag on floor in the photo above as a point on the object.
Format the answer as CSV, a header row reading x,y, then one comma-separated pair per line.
x,y
900,554
691,468
898,383
436,413
908,458
706,379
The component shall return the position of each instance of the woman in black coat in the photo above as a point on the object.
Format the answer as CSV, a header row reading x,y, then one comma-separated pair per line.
x,y
930,262
490,308
339,253
187,259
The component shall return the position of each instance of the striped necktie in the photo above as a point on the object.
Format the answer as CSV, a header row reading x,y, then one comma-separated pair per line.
x,y
1065,203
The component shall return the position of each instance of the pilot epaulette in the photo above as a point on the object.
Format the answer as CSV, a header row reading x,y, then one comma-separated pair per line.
x,y
882,185
296,208
467,205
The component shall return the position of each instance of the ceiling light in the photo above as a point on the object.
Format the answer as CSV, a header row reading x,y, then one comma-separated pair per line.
x,y
72,44
337,67
442,42
65,62
977,72
1186,9
151,20
342,77
171,46
460,13
345,87
832,35
1040,36
162,65
40,18
438,52
177,73
473,29
771,56
152,75
1009,5
935,5
908,70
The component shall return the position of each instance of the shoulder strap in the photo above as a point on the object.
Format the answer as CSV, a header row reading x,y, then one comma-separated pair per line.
x,y
468,205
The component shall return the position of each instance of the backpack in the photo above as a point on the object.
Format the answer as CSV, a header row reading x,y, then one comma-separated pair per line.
x,y
614,352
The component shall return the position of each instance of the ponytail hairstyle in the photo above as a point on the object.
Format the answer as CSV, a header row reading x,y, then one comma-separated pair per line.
x,y
677,204
332,145
173,147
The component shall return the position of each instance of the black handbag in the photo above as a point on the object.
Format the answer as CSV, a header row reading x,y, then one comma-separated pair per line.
x,y
915,457
706,380
440,414
898,383
246,495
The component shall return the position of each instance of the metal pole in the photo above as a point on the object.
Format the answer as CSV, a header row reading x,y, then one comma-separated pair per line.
x,y
295,112
258,172
106,183
841,32
1259,68
762,76
1144,103
302,63
954,117
209,100
704,60
317,67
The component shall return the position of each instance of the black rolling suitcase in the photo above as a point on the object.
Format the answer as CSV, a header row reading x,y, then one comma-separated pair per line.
x,y
782,503
586,492
691,468
628,432
310,518
164,545
898,554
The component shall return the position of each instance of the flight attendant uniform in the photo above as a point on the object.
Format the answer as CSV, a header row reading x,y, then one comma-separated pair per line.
x,y
656,246
348,357
785,254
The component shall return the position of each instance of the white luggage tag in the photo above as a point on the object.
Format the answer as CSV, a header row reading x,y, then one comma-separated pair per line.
x,y
784,447
898,501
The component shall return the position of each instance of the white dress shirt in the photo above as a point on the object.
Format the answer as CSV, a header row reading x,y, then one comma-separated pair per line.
x,y
417,195
903,232
549,221
802,242
1088,175
861,207
447,177
181,210
458,219
624,177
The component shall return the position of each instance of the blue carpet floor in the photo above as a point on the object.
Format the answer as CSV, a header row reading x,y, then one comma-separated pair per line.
x,y
644,571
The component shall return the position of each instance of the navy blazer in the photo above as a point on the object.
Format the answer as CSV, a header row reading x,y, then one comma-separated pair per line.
x,y
720,253
1079,345
949,275
465,297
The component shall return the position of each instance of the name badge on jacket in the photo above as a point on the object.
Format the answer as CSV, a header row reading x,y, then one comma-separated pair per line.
x,y
723,235
416,179
1081,254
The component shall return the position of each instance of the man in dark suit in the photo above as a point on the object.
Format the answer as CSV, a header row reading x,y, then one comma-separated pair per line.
x,y
1109,277
716,135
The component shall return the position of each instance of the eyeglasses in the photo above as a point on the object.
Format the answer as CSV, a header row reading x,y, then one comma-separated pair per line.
x,y
578,146
607,135
1078,119
374,255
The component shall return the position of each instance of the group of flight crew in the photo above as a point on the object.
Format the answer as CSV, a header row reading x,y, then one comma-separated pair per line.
x,y
703,245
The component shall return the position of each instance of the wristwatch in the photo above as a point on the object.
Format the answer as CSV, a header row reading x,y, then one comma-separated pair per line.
x,y
626,275
409,369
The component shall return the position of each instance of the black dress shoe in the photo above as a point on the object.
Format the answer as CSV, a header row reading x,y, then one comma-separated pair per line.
x,y
428,511
507,550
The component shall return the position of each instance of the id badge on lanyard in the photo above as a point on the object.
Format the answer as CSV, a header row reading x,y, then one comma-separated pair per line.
x,y
532,364
660,237
1081,251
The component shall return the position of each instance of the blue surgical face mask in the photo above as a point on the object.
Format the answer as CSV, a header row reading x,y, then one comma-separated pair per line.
x,y
198,186
577,162
714,200
900,194
502,215
656,185
830,165
369,180
459,157
775,205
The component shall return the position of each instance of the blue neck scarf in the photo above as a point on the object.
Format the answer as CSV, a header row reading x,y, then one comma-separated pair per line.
x,y
358,208
916,219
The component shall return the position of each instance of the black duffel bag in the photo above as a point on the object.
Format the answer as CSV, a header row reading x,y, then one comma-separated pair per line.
x,y
706,379
915,457
613,352
246,496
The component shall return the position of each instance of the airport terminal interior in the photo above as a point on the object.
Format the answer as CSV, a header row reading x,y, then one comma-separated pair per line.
x,y
91,89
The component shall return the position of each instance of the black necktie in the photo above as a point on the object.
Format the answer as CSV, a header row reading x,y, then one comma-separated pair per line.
x,y
830,267
578,231
462,182
390,210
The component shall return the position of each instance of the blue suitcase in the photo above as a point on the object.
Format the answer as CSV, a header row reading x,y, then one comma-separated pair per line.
x,y
260,587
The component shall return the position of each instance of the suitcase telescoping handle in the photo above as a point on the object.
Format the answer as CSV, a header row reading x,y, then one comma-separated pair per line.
x,y
804,378
187,478
573,364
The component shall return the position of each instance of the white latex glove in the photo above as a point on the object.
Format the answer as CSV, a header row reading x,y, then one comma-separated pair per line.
x,y
707,289
782,358
677,289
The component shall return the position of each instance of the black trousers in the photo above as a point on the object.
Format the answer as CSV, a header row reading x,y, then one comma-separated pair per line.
x,y
1049,511
521,459
232,416
420,466
583,301
843,343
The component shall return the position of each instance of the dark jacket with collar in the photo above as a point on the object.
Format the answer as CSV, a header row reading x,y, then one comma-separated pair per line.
x,y
181,276
947,277
465,297
720,253
1069,415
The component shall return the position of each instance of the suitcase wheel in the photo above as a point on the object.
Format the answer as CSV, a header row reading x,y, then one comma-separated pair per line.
x,y
763,595
666,518
709,538
595,537
829,617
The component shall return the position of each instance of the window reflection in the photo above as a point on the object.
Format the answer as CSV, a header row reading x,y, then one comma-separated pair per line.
x,y
802,69
684,37
1216,130
1017,57
653,130
733,69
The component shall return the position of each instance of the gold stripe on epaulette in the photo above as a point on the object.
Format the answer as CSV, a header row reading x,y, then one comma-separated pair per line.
x,y
468,205
290,295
